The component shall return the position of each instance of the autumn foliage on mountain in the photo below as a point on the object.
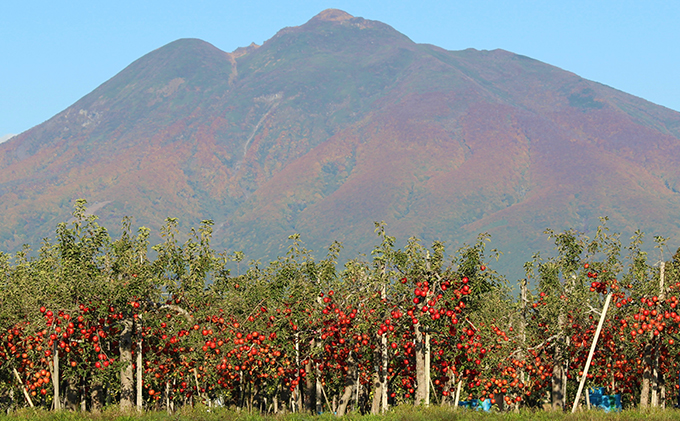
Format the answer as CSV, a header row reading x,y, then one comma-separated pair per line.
x,y
343,121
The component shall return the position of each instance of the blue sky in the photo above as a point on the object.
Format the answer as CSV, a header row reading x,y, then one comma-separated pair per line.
x,y
53,53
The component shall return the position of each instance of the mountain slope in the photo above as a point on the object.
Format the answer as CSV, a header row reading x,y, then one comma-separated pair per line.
x,y
340,122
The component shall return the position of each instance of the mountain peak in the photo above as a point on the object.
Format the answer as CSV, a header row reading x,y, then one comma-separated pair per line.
x,y
332,15
333,19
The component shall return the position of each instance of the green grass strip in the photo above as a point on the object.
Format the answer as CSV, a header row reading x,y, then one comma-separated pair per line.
x,y
403,413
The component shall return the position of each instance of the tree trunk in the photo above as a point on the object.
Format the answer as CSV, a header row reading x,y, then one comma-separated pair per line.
x,y
523,335
365,395
346,397
558,374
96,396
655,380
377,377
56,404
126,376
309,386
72,398
275,402
377,392
663,396
83,395
349,387
421,385
656,368
557,392
646,376
422,345
448,397
318,392
500,401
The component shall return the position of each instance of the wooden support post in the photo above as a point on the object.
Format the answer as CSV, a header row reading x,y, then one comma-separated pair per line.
x,y
356,400
167,398
328,404
383,356
436,399
592,351
198,387
427,369
140,379
298,392
55,378
23,388
460,384
318,391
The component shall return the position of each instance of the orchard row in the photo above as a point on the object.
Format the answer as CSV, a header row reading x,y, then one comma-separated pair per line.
x,y
89,321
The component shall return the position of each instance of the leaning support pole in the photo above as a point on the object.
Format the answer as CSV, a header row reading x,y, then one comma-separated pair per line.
x,y
592,351
23,388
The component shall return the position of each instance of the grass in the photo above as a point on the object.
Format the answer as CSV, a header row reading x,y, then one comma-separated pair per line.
x,y
403,413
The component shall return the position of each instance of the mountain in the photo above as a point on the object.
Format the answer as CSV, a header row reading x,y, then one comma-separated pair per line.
x,y
343,121
6,137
